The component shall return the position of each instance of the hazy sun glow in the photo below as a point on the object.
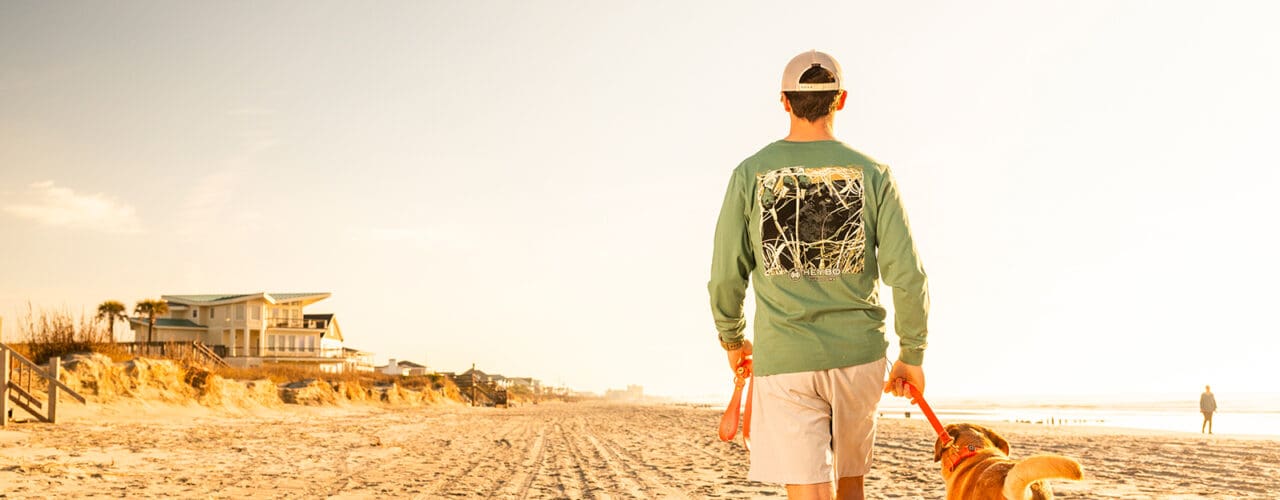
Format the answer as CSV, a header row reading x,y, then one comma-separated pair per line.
x,y
532,187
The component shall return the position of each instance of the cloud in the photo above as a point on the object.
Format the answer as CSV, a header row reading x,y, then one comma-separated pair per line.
x,y
48,204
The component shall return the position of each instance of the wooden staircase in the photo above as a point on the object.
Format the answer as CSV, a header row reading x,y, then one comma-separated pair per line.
x,y
20,382
206,355
484,393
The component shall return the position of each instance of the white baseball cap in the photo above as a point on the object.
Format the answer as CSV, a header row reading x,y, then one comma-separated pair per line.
x,y
801,63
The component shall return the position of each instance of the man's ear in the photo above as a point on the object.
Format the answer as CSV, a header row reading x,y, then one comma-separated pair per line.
x,y
840,100
785,103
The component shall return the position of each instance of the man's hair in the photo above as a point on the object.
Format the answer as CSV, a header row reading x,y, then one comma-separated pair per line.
x,y
812,106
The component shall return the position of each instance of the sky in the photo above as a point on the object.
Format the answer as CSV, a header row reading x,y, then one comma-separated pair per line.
x,y
532,186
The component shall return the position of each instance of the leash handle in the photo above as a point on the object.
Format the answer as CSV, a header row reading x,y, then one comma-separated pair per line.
x,y
733,413
928,413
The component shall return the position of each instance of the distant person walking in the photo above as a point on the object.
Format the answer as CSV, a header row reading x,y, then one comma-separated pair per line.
x,y
1208,405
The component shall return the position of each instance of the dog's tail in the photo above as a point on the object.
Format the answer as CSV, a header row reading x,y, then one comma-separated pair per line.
x,y
1035,468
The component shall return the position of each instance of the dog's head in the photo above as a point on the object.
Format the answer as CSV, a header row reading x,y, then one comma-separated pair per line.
x,y
964,436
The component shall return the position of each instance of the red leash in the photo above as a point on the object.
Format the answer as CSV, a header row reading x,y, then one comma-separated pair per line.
x,y
729,421
928,413
950,463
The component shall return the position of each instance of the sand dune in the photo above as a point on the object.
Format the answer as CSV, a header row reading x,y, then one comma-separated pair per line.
x,y
556,450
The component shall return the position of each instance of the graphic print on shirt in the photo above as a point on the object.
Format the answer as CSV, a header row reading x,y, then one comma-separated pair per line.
x,y
811,221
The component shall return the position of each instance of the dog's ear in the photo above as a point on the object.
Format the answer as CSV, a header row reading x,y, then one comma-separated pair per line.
x,y
996,440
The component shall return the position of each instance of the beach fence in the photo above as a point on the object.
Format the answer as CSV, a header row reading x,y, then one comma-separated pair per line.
x,y
23,382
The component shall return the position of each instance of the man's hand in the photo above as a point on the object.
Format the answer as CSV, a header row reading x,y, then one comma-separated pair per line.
x,y
903,372
737,355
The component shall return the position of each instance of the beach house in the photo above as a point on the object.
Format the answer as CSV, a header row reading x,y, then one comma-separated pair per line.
x,y
255,329
403,368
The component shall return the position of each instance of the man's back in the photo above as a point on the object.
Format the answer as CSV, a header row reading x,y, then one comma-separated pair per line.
x,y
813,215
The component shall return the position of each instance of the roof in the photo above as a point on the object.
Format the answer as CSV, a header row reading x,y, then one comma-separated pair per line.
x,y
196,299
231,298
325,317
285,297
411,364
169,323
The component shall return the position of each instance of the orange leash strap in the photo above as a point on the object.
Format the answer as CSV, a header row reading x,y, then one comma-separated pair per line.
x,y
733,413
928,413
746,417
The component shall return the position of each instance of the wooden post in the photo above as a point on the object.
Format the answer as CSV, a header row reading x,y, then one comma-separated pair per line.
x,y
55,366
4,386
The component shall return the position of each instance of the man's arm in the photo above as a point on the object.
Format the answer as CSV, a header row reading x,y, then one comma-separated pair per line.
x,y
731,262
900,269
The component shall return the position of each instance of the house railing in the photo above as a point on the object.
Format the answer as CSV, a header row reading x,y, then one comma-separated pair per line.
x,y
281,352
480,392
21,381
316,324
183,351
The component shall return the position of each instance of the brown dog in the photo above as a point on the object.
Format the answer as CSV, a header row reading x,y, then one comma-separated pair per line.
x,y
976,466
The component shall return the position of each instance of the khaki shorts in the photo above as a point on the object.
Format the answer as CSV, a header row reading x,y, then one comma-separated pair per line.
x,y
813,427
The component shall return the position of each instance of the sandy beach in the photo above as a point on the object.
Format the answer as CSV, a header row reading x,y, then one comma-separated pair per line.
x,y
551,450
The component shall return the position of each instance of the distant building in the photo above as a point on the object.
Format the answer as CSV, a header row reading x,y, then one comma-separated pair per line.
x,y
632,393
402,368
529,382
504,382
478,375
255,329
357,360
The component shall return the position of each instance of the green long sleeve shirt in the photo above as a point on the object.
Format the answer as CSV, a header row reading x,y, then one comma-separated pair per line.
x,y
814,226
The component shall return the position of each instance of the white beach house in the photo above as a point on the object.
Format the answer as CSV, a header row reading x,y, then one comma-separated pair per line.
x,y
254,329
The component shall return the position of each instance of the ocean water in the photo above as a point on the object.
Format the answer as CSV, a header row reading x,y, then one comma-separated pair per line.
x,y
1251,415
1239,414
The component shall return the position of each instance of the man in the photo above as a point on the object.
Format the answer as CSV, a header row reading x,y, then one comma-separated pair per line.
x,y
814,225
1208,405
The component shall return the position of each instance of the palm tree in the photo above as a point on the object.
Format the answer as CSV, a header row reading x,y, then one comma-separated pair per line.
x,y
111,311
151,309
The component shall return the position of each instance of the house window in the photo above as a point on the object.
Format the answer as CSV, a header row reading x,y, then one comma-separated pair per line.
x,y
195,313
255,313
240,311
213,313
271,342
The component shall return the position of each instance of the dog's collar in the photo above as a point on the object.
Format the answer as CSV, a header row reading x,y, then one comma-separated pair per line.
x,y
968,452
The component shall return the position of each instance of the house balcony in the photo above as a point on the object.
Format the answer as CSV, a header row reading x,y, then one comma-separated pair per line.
x,y
301,323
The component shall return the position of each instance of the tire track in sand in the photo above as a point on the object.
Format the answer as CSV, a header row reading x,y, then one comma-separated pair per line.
x,y
451,482
585,488
524,473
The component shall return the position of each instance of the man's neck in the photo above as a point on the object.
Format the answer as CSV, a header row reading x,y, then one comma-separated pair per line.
x,y
806,131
